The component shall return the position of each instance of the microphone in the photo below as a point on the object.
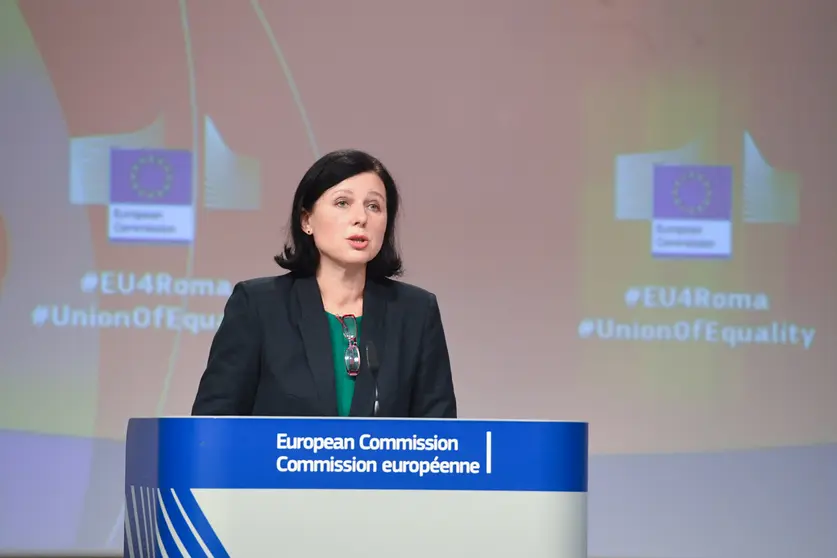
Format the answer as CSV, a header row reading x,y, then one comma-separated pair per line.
x,y
372,361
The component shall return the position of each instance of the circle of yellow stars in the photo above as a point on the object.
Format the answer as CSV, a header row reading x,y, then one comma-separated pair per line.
x,y
158,191
692,177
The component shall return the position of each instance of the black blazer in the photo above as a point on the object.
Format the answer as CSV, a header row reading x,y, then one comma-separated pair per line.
x,y
271,355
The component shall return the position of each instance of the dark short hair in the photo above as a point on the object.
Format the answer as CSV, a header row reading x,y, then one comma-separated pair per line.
x,y
300,254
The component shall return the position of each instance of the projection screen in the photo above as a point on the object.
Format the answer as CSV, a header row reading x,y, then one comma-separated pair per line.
x,y
624,208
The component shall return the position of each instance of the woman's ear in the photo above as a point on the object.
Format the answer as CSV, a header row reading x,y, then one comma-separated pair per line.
x,y
305,222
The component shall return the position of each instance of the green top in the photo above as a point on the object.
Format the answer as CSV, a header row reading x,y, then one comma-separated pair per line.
x,y
344,383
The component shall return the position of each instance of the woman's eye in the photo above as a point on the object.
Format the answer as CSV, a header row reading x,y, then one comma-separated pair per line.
x,y
374,206
342,203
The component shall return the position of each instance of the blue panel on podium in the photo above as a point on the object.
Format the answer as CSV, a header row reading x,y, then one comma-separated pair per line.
x,y
195,485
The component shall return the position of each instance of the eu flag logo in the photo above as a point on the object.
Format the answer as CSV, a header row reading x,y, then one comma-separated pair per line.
x,y
151,176
692,211
151,196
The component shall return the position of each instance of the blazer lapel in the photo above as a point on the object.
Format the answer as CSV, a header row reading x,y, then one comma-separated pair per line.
x,y
317,341
373,328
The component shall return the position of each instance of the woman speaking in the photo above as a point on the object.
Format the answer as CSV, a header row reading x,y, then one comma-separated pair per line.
x,y
336,335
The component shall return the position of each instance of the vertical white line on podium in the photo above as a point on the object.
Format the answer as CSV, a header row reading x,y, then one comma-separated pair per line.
x,y
127,521
145,520
488,452
136,521
151,538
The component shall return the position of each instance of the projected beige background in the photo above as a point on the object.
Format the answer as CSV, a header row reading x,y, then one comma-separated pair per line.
x,y
503,123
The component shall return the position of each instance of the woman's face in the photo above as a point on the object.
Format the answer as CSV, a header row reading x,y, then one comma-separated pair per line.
x,y
349,220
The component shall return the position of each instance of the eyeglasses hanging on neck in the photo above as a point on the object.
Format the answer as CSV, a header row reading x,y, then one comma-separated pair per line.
x,y
352,355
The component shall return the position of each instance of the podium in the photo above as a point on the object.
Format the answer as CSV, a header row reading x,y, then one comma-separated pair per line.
x,y
355,487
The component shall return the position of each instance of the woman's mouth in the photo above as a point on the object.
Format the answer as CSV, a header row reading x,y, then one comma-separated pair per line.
x,y
358,242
